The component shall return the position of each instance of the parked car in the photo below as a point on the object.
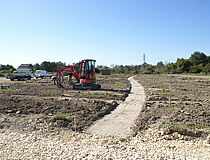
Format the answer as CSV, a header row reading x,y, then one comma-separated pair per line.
x,y
21,74
42,74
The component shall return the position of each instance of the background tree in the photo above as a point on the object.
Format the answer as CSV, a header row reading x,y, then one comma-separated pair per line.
x,y
148,70
37,67
171,68
48,66
206,69
4,69
198,58
182,65
160,68
196,69
7,67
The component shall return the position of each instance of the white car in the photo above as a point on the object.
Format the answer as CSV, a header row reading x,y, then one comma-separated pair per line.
x,y
42,74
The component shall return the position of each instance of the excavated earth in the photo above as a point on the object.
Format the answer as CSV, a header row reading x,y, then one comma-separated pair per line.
x,y
39,104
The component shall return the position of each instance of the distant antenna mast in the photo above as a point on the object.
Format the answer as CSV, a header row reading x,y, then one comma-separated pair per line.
x,y
144,59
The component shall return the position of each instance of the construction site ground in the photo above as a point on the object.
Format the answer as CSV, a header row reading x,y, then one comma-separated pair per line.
x,y
176,104
39,104
173,122
172,101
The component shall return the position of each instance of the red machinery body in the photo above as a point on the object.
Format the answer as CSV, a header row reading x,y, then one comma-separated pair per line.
x,y
86,77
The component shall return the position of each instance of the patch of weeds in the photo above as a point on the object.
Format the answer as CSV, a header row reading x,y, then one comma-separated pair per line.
x,y
162,86
171,107
118,84
7,90
171,124
162,126
164,95
174,124
196,127
65,115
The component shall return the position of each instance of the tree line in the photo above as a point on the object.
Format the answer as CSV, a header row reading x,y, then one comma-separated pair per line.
x,y
197,63
48,66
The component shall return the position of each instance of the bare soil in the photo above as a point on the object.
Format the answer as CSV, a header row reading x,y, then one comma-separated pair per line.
x,y
173,103
177,104
33,105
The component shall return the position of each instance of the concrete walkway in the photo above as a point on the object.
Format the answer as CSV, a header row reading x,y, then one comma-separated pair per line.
x,y
120,121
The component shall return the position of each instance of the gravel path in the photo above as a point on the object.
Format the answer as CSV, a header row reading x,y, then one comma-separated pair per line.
x,y
120,121
69,145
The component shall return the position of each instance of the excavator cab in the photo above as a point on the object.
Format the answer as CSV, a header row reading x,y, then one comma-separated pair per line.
x,y
87,71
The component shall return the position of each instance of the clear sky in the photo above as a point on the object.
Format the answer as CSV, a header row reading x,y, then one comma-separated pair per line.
x,y
110,31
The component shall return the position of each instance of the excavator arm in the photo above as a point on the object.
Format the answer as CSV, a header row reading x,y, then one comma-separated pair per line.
x,y
59,74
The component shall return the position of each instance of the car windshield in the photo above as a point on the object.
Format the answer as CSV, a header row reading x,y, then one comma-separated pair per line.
x,y
38,72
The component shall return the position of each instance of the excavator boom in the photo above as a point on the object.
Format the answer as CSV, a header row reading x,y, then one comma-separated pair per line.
x,y
59,74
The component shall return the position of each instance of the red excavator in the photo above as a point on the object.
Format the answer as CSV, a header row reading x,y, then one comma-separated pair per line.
x,y
86,77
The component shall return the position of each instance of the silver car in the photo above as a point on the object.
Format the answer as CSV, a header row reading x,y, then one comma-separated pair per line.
x,y
42,74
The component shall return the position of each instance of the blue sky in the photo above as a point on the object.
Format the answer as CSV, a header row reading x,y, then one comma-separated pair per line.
x,y
110,31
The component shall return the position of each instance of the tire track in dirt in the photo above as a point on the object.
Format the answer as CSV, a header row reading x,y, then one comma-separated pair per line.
x,y
120,121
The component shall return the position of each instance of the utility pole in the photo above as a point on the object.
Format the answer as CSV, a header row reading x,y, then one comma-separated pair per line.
x,y
144,62
144,59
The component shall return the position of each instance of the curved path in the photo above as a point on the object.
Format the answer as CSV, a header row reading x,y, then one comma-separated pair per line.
x,y
120,121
